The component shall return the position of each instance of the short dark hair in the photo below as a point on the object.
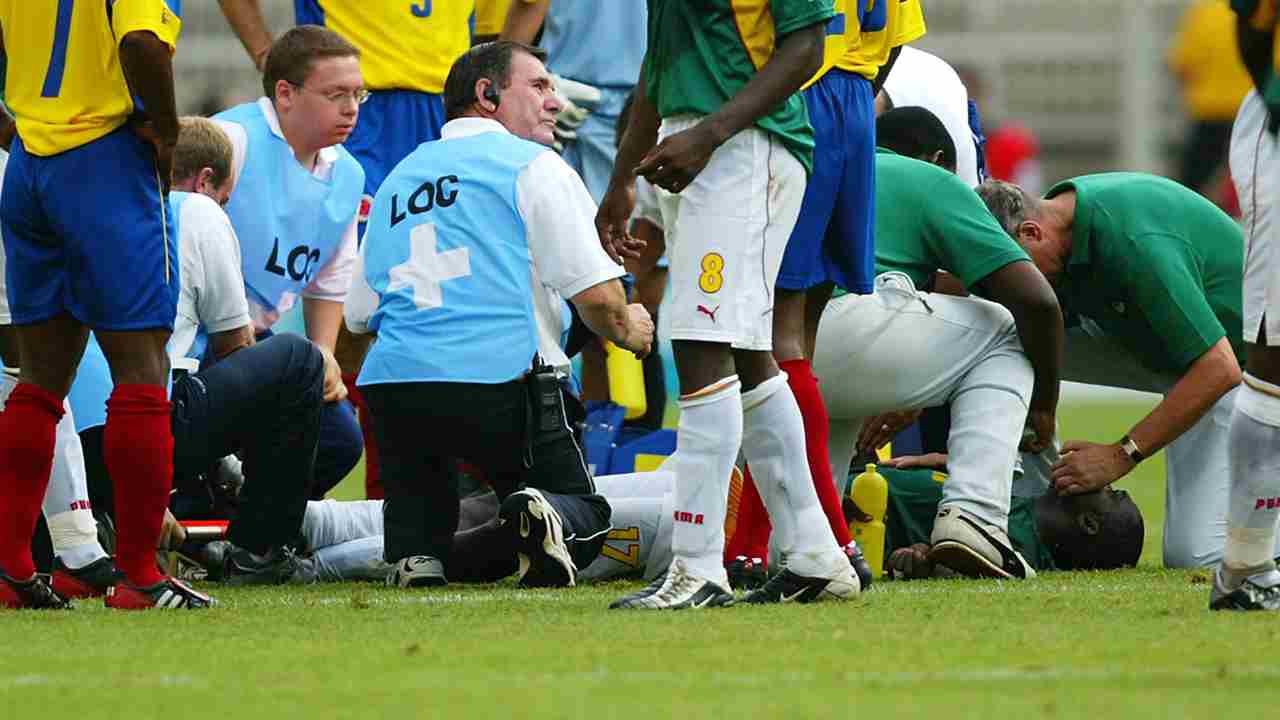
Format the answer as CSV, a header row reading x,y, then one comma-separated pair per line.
x,y
915,132
491,61
1093,531
293,54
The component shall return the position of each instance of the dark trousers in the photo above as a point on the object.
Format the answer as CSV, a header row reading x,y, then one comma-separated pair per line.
x,y
423,429
341,442
265,401
262,401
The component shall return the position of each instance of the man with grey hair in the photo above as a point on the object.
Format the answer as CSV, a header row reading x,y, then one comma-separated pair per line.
x,y
1149,275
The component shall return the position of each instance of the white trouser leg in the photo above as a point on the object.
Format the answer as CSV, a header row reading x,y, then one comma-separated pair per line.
x,y
1197,486
988,412
331,522
359,559
842,445
899,349
651,484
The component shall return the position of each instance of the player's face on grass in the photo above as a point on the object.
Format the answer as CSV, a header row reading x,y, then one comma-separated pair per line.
x,y
1095,531
329,100
529,103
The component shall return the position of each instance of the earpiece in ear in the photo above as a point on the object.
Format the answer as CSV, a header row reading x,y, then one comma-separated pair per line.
x,y
491,94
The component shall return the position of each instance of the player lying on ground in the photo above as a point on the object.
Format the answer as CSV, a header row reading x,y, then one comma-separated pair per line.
x,y
262,400
1151,273
343,540
902,348
1092,531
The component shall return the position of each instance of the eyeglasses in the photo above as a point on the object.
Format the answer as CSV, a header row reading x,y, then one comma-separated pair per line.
x,y
359,97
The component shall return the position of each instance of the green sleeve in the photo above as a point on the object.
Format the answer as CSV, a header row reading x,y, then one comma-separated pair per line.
x,y
1167,289
963,235
792,15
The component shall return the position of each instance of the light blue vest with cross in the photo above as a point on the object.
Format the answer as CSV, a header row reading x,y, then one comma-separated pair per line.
x,y
446,252
289,221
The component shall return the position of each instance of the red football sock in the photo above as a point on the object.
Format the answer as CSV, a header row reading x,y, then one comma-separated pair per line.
x,y
805,387
751,534
372,476
137,445
26,459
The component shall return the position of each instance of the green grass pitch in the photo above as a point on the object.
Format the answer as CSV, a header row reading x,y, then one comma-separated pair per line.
x,y
1131,644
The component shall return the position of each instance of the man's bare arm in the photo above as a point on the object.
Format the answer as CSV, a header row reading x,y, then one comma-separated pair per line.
x,y
1211,376
882,75
524,19
225,343
677,160
1027,295
246,20
797,58
148,68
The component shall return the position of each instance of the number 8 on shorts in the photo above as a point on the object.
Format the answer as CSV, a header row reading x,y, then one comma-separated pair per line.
x,y
712,277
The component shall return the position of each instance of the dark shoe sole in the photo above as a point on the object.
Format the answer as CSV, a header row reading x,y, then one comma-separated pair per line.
x,y
964,560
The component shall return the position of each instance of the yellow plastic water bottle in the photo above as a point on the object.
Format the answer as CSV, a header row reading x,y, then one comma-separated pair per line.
x,y
626,380
870,492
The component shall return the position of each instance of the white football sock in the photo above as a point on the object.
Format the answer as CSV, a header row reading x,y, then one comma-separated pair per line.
x,y
1254,461
709,435
773,442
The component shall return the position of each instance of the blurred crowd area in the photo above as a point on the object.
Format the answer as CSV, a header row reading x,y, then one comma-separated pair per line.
x,y
1081,86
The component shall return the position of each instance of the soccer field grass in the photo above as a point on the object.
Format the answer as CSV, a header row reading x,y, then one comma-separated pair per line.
x,y
1129,644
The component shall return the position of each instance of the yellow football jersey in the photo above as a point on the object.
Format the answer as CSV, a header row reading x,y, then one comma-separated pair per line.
x,y
887,24
491,15
63,81
403,45
839,29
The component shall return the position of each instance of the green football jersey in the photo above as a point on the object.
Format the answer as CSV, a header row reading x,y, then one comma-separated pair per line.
x,y
1156,265
913,502
702,53
928,219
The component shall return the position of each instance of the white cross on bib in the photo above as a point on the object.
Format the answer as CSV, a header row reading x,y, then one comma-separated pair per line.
x,y
426,269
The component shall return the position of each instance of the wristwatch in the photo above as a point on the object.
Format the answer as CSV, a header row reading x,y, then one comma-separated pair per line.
x,y
1131,449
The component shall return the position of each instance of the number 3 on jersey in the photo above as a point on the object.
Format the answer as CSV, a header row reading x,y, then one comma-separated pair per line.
x,y
712,277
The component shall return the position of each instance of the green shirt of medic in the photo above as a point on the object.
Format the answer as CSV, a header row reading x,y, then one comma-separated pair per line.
x,y
1156,265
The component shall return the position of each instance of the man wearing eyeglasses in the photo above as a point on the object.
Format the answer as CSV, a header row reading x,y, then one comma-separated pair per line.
x,y
294,204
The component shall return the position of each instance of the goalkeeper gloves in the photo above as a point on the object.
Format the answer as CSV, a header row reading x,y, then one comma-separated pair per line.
x,y
578,99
